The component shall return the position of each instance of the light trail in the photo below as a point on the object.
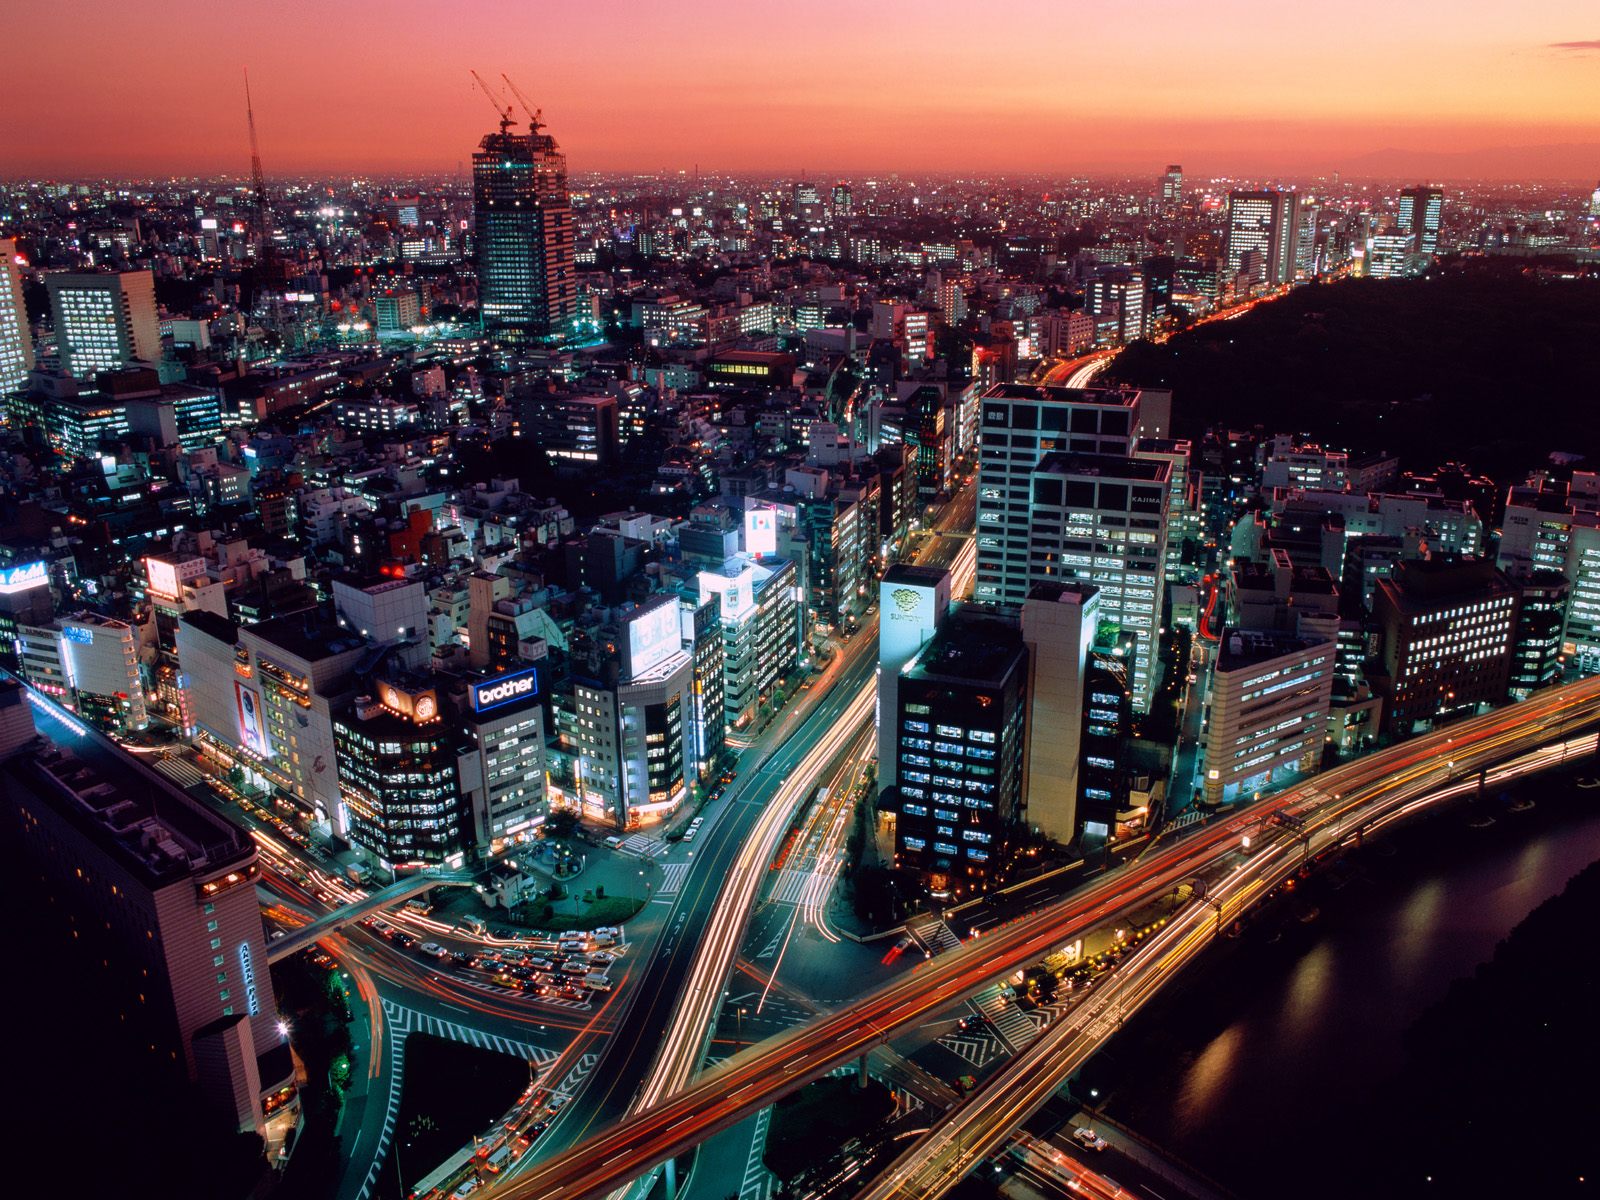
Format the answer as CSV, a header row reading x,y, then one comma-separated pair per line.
x,y
1356,794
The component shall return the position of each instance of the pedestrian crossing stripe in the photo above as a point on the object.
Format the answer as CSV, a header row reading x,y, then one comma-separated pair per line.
x,y
403,1020
672,876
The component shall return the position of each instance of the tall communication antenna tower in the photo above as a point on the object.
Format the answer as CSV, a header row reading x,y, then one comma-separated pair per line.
x,y
258,179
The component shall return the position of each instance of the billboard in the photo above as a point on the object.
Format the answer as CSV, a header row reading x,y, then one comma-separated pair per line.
x,y
252,734
653,636
761,531
22,577
737,592
505,689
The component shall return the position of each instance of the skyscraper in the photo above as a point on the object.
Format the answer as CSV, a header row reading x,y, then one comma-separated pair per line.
x,y
104,320
1020,424
16,343
523,218
1172,185
1261,234
1420,210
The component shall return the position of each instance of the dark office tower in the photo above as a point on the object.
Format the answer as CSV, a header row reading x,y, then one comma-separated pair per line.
x,y
526,289
1420,210
1262,234
960,717
1172,185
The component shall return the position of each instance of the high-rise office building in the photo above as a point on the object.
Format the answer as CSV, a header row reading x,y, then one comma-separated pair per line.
x,y
912,604
153,893
104,320
1172,185
1102,519
1059,625
1019,424
960,717
526,287
1449,629
1420,210
1262,228
398,763
16,342
1270,696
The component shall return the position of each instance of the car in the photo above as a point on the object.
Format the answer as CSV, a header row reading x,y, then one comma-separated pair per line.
x,y
276,934
1088,1138
697,822
435,949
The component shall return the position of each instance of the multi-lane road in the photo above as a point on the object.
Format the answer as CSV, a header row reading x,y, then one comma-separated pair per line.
x,y
1339,803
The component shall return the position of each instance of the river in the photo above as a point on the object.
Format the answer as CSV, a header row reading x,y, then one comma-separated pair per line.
x,y
1267,1067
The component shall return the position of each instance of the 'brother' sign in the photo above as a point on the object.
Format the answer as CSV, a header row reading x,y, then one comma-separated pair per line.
x,y
504,690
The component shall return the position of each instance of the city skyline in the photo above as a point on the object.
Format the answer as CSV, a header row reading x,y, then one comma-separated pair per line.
x,y
861,90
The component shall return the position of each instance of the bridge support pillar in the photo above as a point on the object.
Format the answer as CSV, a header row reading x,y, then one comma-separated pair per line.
x,y
862,1078
672,1179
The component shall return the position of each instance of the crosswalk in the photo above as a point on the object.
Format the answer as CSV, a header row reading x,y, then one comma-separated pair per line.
x,y
184,773
1183,820
553,1001
791,887
397,1063
1014,1028
758,1182
403,1020
672,876
641,846
936,936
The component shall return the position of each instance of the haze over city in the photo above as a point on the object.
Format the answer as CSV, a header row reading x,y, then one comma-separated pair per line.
x,y
1237,87
710,601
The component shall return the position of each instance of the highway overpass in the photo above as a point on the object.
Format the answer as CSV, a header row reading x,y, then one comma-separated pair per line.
x,y
386,897
1340,802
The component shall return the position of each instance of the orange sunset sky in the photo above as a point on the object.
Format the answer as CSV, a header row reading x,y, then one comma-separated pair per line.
x,y
1469,87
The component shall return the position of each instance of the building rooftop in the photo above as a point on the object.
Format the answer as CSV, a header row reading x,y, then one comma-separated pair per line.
x,y
1242,648
1424,584
1114,466
307,635
1045,393
137,816
915,575
970,650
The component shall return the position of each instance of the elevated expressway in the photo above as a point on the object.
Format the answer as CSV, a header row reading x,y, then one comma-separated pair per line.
x,y
1312,817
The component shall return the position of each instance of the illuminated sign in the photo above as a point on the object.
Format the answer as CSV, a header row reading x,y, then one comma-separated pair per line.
x,y
653,636
505,689
247,968
76,633
251,733
162,578
20,578
761,531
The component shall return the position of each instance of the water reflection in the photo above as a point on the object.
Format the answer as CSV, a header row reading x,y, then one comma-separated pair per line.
x,y
1299,1037
1209,1076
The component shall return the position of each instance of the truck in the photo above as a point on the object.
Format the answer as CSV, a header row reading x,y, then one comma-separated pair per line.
x,y
597,981
359,874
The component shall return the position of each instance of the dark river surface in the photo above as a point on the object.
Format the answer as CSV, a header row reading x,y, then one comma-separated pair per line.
x,y
1267,1066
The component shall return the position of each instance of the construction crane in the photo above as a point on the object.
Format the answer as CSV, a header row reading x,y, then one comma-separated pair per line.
x,y
503,114
534,123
